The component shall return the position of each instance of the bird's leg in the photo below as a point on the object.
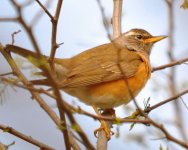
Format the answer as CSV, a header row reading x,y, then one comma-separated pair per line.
x,y
104,125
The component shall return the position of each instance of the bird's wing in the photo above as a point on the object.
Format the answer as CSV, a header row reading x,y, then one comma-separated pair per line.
x,y
101,65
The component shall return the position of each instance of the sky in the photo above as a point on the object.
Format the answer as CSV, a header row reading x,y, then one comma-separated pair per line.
x,y
80,28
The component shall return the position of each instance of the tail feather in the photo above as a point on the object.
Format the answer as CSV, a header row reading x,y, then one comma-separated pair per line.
x,y
61,65
33,57
22,51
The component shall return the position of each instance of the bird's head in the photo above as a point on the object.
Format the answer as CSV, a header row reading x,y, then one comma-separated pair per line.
x,y
138,40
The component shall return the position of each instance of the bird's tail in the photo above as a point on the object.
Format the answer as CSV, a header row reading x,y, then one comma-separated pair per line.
x,y
35,59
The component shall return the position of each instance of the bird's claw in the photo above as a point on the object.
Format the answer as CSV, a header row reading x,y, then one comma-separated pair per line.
x,y
106,129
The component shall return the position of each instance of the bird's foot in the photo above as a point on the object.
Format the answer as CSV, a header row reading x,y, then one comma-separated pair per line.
x,y
106,129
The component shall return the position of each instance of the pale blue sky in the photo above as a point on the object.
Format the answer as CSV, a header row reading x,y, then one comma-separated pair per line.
x,y
80,28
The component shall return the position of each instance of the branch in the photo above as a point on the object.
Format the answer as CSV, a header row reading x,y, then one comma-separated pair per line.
x,y
165,101
104,19
19,74
68,110
15,83
5,74
79,130
25,137
172,75
55,20
40,13
46,10
111,119
26,27
168,135
8,19
35,95
174,63
116,21
61,124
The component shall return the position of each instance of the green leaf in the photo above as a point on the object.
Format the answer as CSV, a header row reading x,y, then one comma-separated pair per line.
x,y
131,127
118,121
62,126
134,115
76,127
117,132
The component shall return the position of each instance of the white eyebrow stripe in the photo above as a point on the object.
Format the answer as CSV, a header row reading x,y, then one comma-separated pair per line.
x,y
130,33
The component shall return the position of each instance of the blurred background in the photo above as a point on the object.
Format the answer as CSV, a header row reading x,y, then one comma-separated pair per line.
x,y
80,28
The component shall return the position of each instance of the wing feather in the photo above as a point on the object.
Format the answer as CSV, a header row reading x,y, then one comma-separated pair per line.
x,y
96,68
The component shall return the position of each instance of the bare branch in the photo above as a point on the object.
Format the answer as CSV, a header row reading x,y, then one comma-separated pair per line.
x,y
165,101
46,10
80,131
116,23
172,75
104,19
25,137
26,27
27,83
174,63
13,35
168,135
54,45
5,74
116,20
42,103
40,13
8,19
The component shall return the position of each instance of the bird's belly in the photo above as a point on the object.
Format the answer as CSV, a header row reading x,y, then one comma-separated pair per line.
x,y
114,93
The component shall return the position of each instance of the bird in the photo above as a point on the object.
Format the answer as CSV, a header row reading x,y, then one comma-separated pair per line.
x,y
107,75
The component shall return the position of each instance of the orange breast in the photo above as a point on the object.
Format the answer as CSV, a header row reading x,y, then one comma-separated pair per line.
x,y
115,93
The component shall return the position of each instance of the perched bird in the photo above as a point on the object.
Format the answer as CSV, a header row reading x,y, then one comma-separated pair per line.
x,y
108,75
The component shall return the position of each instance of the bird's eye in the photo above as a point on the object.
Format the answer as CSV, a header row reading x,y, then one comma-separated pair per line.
x,y
139,37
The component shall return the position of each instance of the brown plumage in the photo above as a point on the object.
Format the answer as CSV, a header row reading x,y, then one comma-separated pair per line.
x,y
97,76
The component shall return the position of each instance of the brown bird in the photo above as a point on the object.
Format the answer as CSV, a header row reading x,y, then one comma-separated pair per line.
x,y
105,75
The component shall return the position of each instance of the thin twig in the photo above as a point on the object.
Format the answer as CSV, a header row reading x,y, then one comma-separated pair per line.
x,y
80,131
8,19
26,27
25,137
5,74
59,99
174,63
46,10
105,20
116,24
35,95
165,101
73,109
46,69
22,78
61,124
15,83
116,20
54,45
168,135
38,15
13,35
69,113
172,75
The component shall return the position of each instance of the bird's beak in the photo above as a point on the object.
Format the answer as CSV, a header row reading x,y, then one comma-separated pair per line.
x,y
154,39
